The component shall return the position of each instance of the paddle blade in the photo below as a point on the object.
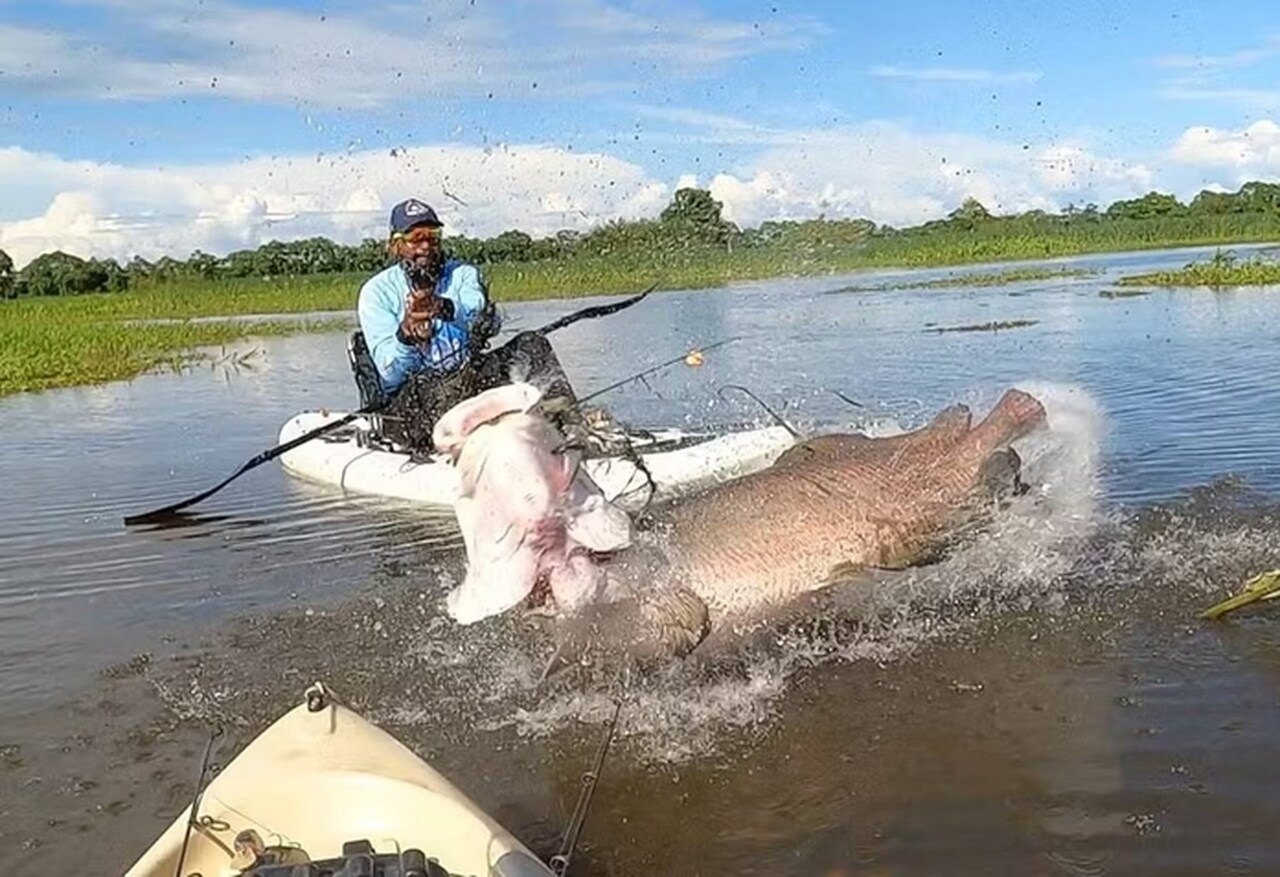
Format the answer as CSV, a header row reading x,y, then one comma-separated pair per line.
x,y
169,510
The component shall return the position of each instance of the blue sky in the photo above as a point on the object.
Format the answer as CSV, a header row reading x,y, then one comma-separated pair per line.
x,y
261,119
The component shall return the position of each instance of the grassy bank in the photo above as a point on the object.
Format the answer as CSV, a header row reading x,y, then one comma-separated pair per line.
x,y
88,340
62,341
1219,272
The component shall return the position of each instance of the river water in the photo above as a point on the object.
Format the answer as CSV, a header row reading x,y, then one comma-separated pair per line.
x,y
1043,702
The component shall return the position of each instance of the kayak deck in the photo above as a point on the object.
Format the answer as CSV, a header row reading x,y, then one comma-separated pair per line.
x,y
323,784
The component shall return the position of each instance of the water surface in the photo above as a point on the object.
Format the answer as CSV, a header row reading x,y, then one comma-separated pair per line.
x,y
1042,706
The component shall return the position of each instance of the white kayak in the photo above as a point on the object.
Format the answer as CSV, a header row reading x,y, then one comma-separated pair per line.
x,y
679,462
323,791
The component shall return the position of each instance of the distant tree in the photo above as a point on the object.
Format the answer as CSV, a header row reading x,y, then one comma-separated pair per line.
x,y
7,282
202,264
1258,197
116,278
969,213
1149,206
1215,203
693,216
60,273
510,246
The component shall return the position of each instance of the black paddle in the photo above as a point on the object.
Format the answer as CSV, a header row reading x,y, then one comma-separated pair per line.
x,y
268,455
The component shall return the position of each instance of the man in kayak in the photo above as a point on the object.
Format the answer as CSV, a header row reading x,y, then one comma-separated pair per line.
x,y
426,322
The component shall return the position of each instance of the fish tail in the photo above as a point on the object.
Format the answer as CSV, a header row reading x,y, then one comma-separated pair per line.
x,y
1015,415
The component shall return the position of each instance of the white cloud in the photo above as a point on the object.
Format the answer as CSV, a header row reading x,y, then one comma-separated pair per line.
x,y
95,209
1252,98
1247,152
1072,168
1240,58
951,74
890,174
877,170
389,50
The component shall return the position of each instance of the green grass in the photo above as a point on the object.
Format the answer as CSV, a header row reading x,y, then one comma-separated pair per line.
x,y
68,342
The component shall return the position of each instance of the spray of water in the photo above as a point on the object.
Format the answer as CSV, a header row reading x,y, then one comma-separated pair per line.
x,y
1018,561
1056,549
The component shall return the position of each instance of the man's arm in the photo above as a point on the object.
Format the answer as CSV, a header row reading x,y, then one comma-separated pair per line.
x,y
471,294
379,320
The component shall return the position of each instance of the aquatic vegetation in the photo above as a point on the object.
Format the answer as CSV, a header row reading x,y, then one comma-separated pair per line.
x,y
997,278
1123,293
1264,586
993,326
1223,270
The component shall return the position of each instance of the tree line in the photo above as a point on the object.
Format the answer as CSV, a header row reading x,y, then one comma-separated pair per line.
x,y
692,220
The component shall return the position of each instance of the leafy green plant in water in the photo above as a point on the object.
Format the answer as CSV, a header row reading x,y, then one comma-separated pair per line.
x,y
1221,271
1000,278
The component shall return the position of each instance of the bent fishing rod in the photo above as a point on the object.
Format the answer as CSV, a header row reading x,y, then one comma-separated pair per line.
x,y
560,861
156,515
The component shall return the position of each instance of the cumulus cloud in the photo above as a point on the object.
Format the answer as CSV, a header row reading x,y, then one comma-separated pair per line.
x,y
877,170
1244,153
890,174
93,209
381,52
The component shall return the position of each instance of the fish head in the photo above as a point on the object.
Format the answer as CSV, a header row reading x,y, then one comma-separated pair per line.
x,y
459,423
529,515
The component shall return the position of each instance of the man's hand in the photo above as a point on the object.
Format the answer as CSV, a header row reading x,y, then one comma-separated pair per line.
x,y
423,307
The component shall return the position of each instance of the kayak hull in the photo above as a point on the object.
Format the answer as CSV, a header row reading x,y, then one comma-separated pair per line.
x,y
679,463
322,778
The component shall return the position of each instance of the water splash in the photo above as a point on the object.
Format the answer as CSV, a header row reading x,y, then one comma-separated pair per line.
x,y
1022,561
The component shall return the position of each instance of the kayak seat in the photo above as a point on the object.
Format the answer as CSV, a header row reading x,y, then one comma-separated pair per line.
x,y
368,382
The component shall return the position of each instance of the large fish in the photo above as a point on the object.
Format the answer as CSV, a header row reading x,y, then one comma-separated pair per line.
x,y
829,509
531,518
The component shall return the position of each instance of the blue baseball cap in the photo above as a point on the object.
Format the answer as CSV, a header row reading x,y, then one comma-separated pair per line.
x,y
413,212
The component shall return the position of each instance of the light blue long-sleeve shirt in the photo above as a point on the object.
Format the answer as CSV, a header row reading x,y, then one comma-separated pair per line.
x,y
381,306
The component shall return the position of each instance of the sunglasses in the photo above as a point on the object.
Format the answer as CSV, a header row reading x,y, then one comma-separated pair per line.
x,y
420,235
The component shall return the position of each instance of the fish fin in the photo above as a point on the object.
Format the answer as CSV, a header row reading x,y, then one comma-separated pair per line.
x,y
1001,474
849,573
1016,414
843,571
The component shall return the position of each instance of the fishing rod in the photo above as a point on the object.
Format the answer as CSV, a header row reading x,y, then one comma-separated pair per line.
x,y
560,861
695,355
270,454
775,415
192,821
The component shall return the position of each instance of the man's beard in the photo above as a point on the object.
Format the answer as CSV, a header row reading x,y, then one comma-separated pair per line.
x,y
423,272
